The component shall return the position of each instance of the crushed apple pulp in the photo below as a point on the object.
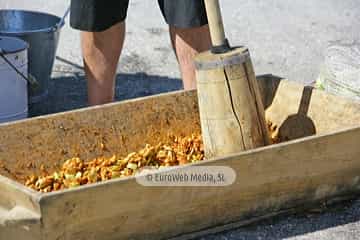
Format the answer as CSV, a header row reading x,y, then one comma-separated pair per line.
x,y
76,172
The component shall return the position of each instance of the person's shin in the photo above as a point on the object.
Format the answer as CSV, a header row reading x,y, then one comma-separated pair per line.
x,y
187,43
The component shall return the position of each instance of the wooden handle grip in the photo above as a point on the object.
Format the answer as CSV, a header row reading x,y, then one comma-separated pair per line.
x,y
215,22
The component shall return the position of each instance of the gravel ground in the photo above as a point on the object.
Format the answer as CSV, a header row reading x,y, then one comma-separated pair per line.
x,y
340,221
286,38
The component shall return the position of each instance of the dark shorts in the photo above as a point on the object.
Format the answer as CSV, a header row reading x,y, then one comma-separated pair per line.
x,y
99,15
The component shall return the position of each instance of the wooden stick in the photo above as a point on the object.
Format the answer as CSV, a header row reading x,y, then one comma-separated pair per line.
x,y
216,24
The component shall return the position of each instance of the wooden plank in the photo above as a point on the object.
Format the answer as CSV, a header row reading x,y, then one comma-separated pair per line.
x,y
19,212
267,181
300,111
121,127
231,226
326,165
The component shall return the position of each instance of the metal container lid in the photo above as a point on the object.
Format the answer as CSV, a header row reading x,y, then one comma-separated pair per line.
x,y
12,45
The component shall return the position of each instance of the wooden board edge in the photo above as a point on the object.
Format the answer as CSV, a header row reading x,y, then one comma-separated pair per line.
x,y
110,105
92,108
20,188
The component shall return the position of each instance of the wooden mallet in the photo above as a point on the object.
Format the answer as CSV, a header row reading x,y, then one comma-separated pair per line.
x,y
231,110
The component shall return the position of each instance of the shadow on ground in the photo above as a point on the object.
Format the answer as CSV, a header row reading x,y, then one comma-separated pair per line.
x,y
307,225
69,92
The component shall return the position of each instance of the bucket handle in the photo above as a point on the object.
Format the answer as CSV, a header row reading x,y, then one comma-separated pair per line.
x,y
30,78
62,20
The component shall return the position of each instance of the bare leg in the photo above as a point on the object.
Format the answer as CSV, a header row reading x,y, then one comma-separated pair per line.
x,y
101,52
187,43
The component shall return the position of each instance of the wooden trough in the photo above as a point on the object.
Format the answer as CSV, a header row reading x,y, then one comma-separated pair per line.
x,y
323,163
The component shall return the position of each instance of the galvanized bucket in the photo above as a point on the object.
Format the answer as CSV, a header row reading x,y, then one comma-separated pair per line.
x,y
41,31
13,87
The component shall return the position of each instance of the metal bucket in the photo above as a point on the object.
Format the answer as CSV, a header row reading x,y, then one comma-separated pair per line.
x,y
13,88
41,31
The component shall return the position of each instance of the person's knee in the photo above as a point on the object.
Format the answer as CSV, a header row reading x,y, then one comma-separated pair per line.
x,y
116,31
191,30
107,42
196,37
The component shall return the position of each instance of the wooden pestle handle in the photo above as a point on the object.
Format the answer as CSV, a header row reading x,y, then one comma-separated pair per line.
x,y
216,24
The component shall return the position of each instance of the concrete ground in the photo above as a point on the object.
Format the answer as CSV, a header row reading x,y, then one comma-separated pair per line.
x,y
286,38
341,221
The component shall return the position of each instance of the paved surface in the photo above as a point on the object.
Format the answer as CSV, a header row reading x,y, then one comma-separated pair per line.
x,y
286,38
341,221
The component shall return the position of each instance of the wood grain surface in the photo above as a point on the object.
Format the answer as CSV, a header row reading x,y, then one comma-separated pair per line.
x,y
269,179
